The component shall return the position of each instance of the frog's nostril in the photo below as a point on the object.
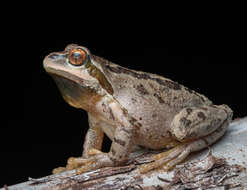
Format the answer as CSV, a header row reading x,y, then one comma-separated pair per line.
x,y
56,56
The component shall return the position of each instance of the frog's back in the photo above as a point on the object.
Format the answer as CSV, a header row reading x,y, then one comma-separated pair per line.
x,y
157,90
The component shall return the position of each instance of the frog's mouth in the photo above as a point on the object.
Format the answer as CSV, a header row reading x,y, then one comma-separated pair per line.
x,y
60,74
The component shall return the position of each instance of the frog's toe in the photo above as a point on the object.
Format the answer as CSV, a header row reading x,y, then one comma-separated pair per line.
x,y
95,162
74,163
167,159
58,170
94,151
88,167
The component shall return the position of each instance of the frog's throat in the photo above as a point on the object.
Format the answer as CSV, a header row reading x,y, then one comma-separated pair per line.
x,y
96,73
73,93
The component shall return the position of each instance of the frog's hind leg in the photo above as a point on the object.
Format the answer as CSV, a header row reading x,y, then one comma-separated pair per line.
x,y
176,155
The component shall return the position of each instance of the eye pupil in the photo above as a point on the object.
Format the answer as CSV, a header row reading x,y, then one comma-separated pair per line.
x,y
77,57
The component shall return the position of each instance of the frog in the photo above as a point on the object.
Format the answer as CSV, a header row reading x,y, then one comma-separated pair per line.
x,y
134,109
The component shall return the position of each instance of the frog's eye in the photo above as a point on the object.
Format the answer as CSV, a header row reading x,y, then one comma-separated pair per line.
x,y
77,57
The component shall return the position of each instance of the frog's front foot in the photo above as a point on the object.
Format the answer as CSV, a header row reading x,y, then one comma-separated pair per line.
x,y
97,159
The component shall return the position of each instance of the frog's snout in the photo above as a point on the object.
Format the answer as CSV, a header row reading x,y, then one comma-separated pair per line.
x,y
53,60
56,56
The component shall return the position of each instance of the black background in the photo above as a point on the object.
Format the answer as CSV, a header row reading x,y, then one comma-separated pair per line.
x,y
43,130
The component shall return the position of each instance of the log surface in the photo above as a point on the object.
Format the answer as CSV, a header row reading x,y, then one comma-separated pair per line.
x,y
225,168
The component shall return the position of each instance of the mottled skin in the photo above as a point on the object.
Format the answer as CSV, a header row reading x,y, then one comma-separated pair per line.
x,y
134,109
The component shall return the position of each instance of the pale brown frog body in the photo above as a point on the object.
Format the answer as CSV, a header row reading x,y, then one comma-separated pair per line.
x,y
133,108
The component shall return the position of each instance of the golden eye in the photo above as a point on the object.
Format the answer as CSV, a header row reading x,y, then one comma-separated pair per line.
x,y
77,57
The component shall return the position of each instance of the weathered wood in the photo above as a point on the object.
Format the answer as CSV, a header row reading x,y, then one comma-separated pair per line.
x,y
225,168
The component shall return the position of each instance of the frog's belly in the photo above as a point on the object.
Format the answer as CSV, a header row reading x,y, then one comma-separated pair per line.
x,y
153,137
154,132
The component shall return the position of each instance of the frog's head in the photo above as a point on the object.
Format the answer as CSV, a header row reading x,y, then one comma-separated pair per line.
x,y
77,77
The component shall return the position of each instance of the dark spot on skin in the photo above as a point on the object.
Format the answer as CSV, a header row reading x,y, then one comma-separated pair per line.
x,y
124,129
167,83
134,122
113,151
125,112
201,97
111,114
158,187
119,141
206,142
163,89
216,122
154,115
201,115
189,90
104,107
209,127
115,161
159,98
109,110
151,85
218,130
133,100
140,118
227,186
170,84
189,110
193,135
213,106
140,88
138,125
204,108
185,121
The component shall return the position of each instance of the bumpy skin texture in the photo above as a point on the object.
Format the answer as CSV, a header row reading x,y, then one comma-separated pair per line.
x,y
133,109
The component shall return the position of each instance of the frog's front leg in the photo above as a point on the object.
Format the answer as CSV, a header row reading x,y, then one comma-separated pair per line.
x,y
120,148
94,137
92,146
118,155
196,128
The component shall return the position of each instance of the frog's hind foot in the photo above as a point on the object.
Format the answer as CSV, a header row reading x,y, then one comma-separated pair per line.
x,y
167,159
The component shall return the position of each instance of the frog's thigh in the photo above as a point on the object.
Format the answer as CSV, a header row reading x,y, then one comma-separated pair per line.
x,y
194,122
220,121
